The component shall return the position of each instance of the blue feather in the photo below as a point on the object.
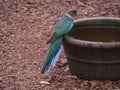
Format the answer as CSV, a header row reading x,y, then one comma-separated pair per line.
x,y
55,59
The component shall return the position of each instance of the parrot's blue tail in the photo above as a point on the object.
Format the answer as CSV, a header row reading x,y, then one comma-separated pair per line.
x,y
55,59
52,57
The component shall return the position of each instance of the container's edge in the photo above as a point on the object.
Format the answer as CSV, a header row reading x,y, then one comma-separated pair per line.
x,y
97,18
93,43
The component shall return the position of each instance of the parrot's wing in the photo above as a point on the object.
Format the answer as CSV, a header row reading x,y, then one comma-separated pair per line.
x,y
61,28
53,39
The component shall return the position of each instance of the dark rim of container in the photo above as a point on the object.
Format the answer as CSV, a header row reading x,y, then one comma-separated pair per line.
x,y
92,43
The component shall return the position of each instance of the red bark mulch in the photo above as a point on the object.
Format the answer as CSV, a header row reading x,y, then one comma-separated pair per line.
x,y
25,27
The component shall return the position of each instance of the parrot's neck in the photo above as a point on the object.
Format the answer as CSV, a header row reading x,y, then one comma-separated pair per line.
x,y
68,15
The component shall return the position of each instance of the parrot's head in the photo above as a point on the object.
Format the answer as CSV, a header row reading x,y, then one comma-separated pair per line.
x,y
72,13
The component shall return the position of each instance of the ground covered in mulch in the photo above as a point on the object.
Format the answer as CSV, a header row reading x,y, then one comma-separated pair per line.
x,y
25,27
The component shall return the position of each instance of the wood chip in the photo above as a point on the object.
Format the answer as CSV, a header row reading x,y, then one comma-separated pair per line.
x,y
48,78
71,76
80,3
76,89
44,82
61,89
38,46
103,13
1,79
66,69
64,62
93,83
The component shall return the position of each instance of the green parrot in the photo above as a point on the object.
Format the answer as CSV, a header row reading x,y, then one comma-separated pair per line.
x,y
63,26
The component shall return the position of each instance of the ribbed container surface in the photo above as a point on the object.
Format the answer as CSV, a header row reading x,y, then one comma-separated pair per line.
x,y
93,48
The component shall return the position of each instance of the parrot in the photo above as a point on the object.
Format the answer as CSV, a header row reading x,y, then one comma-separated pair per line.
x,y
61,28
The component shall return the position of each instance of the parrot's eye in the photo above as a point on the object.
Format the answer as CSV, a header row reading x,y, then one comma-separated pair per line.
x,y
74,11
